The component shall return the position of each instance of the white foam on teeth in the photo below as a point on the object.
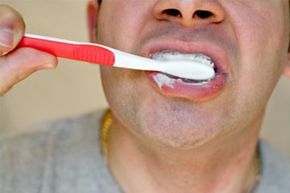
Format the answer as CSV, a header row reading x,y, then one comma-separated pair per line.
x,y
164,80
173,56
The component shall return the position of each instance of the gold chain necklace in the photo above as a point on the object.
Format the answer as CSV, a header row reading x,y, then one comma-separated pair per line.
x,y
105,131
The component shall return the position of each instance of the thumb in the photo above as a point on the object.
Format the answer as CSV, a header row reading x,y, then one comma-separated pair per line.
x,y
12,28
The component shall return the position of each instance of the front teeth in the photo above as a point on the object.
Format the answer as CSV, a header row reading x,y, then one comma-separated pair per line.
x,y
170,56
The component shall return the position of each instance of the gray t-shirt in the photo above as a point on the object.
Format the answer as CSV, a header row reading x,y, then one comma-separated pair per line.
x,y
64,157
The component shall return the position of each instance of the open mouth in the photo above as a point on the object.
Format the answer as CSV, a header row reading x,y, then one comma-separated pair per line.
x,y
194,57
188,88
185,80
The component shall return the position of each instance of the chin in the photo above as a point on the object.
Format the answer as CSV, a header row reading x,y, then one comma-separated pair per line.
x,y
185,129
186,138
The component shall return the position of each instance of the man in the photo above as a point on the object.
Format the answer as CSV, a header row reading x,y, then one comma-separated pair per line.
x,y
164,134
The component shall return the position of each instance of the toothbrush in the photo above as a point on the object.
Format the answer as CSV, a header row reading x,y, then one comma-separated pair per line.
x,y
103,55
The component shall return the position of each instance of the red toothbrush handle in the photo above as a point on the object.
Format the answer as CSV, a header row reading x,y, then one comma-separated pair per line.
x,y
82,52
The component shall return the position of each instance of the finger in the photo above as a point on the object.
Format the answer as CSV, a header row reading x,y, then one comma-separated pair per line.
x,y
20,64
12,28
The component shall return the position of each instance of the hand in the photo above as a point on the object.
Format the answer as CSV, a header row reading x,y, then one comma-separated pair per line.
x,y
17,63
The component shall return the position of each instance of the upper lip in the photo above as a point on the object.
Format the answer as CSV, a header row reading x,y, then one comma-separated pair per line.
x,y
216,53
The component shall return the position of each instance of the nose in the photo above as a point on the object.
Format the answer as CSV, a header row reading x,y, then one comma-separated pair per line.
x,y
189,13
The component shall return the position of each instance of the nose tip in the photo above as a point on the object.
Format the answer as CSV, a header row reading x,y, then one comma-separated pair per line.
x,y
189,13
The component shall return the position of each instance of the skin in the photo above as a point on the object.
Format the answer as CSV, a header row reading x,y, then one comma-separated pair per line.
x,y
17,64
199,120
174,144
181,145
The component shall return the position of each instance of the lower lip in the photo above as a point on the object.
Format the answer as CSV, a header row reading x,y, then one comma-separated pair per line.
x,y
179,89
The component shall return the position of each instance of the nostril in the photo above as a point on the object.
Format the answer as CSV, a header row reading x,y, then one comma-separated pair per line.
x,y
202,14
172,12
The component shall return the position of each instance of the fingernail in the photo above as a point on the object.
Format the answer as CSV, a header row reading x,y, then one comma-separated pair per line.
x,y
6,38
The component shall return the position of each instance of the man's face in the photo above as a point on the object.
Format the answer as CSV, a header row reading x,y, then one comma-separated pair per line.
x,y
247,40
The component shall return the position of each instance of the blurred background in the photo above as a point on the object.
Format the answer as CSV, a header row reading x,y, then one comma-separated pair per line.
x,y
75,88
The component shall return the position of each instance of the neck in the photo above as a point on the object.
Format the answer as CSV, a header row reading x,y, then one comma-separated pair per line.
x,y
224,165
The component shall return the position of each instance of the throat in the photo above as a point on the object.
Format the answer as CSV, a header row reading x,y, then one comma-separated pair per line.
x,y
138,167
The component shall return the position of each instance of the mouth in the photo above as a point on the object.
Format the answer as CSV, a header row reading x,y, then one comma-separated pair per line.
x,y
188,57
187,88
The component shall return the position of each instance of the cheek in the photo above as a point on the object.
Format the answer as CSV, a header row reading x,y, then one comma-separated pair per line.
x,y
129,97
122,89
262,46
121,28
262,53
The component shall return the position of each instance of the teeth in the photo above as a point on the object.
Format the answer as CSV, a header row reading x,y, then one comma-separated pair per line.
x,y
165,79
170,56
